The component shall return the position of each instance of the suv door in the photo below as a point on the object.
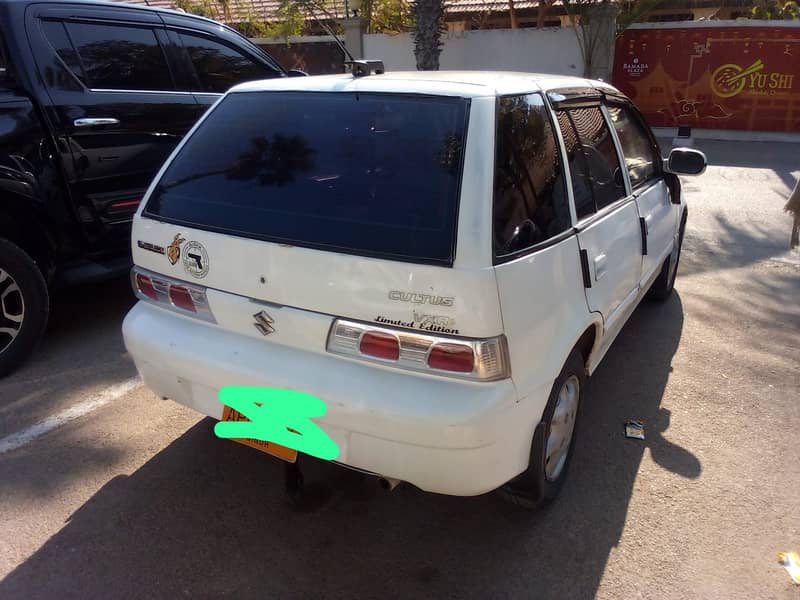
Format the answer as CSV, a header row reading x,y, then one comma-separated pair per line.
x,y
643,161
211,61
113,103
607,218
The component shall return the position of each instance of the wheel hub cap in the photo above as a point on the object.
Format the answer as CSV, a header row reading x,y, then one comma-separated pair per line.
x,y
561,427
12,310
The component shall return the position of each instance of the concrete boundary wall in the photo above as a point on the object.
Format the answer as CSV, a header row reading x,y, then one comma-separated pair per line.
x,y
550,50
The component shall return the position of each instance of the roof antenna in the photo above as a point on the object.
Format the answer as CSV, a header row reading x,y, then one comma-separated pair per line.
x,y
359,68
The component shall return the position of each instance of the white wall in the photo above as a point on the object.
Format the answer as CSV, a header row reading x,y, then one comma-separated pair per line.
x,y
550,50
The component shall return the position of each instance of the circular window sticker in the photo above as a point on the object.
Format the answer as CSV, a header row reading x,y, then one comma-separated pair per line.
x,y
195,259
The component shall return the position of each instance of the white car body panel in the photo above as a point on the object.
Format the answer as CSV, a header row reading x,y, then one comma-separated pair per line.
x,y
543,321
660,218
613,243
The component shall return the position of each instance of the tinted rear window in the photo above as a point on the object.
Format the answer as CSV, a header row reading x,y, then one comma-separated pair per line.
x,y
369,174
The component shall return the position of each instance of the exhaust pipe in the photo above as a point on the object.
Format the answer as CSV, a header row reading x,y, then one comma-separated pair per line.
x,y
388,483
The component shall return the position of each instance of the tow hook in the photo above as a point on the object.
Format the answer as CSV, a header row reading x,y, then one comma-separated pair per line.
x,y
294,478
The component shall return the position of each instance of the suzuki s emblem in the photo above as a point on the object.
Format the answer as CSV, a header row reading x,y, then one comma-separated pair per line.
x,y
264,323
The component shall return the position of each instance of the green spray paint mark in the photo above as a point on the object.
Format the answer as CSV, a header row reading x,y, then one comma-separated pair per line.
x,y
272,412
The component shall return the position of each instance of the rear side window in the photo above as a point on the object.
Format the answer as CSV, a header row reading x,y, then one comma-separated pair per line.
x,y
530,201
56,34
369,174
220,67
118,58
637,146
597,179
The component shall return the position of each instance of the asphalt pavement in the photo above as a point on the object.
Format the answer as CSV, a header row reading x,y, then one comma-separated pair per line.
x,y
108,492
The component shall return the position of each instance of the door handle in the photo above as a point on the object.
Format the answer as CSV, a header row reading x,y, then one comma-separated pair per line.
x,y
95,122
599,267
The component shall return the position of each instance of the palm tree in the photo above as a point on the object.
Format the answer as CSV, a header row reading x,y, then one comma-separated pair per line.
x,y
428,29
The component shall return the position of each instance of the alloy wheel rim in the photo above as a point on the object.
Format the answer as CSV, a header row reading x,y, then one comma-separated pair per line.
x,y
562,426
12,310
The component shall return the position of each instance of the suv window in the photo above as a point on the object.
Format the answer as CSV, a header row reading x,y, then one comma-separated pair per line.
x,y
595,171
530,201
220,67
117,57
637,146
56,34
369,174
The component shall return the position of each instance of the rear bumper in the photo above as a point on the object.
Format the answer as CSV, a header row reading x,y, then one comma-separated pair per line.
x,y
442,435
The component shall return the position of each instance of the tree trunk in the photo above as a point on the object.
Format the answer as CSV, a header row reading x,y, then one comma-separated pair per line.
x,y
428,29
512,12
542,9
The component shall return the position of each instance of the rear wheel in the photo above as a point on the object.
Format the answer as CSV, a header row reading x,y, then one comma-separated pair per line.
x,y
23,306
662,287
551,449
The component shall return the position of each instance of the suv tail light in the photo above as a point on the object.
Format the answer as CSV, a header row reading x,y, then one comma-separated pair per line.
x,y
176,295
478,360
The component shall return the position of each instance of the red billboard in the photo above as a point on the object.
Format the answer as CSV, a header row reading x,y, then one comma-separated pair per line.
x,y
713,77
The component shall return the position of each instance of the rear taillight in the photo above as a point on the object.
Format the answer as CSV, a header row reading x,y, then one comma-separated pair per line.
x,y
451,357
144,284
180,297
172,293
479,360
380,345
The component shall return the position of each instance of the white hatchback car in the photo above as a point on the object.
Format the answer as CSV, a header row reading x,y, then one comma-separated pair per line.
x,y
442,258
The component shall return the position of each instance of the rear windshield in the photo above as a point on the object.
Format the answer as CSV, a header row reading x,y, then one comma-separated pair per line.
x,y
368,174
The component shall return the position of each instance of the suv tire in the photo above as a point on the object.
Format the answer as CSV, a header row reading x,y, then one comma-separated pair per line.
x,y
542,480
24,305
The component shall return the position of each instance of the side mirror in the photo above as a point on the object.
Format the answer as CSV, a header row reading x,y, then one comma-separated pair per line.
x,y
686,161
296,73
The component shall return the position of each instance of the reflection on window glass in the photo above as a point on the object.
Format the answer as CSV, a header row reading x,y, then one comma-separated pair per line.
x,y
57,36
600,165
220,67
640,158
530,204
120,58
578,170
368,174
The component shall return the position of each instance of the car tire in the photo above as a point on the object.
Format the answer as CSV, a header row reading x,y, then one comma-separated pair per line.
x,y
552,445
662,287
24,306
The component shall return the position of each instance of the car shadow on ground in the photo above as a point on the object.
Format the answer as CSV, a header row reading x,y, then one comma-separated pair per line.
x,y
206,517
82,347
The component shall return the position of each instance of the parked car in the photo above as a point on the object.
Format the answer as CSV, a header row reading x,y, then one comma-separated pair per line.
x,y
442,258
93,97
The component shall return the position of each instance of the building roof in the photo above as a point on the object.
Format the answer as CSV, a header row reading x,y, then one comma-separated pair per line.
x,y
267,10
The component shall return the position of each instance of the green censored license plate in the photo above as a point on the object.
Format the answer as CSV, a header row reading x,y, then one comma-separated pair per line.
x,y
282,452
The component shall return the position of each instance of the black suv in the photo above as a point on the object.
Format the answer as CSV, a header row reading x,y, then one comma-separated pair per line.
x,y
93,97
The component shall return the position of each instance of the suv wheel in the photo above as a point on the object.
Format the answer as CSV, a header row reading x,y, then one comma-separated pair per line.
x,y
23,306
552,445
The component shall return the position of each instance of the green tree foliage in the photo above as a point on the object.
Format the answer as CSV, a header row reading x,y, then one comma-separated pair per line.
x,y
776,10
593,40
387,16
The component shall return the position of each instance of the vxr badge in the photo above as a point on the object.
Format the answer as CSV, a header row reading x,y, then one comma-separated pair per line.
x,y
264,323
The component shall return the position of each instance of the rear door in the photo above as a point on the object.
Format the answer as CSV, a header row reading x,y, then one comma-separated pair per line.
x,y
312,205
643,162
114,104
609,234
